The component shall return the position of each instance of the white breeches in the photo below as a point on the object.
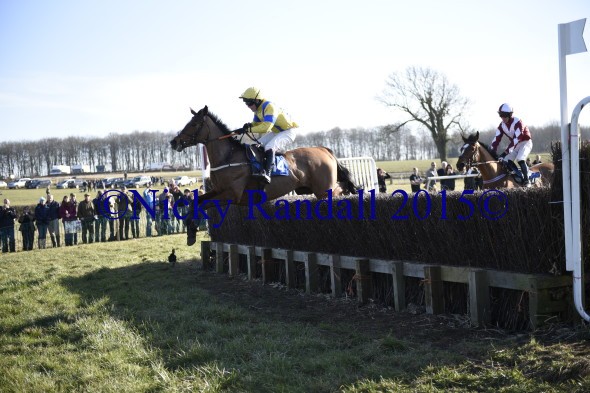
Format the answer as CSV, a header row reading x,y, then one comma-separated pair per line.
x,y
521,151
278,141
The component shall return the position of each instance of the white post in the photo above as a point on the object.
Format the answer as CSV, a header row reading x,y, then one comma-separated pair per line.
x,y
571,41
577,260
563,31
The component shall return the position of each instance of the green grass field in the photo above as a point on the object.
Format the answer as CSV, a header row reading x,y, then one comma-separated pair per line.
x,y
116,317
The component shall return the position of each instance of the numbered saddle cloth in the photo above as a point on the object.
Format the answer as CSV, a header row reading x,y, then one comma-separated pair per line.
x,y
255,156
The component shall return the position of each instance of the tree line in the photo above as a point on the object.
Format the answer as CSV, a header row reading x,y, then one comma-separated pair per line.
x,y
136,151
118,152
393,143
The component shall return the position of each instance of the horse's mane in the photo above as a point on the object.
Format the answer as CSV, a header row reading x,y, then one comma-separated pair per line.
x,y
489,150
223,127
219,123
475,138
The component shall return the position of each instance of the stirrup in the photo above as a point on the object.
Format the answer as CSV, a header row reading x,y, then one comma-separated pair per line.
x,y
262,176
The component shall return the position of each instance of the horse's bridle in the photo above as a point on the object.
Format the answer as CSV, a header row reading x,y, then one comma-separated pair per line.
x,y
192,139
474,159
471,161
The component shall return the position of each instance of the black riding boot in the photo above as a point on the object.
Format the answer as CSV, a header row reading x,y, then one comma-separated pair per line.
x,y
510,166
525,173
269,161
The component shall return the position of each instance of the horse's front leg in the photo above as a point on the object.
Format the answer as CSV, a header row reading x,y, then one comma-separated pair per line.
x,y
218,199
192,227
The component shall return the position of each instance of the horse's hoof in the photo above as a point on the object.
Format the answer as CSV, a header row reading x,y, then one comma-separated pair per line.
x,y
191,239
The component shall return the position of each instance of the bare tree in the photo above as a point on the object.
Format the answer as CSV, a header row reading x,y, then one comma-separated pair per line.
x,y
428,98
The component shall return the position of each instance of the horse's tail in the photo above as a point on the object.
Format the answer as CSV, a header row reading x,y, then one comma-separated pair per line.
x,y
345,179
343,176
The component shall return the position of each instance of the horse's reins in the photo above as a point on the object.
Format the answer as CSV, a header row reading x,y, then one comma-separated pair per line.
x,y
495,179
207,140
193,139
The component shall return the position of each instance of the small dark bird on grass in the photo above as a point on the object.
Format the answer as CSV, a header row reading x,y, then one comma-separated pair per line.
x,y
172,258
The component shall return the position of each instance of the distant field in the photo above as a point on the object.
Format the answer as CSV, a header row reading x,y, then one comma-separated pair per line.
x,y
23,197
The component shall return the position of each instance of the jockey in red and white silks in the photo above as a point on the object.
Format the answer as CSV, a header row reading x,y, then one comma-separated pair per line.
x,y
521,142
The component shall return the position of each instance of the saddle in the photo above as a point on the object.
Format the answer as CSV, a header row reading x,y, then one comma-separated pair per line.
x,y
518,177
255,155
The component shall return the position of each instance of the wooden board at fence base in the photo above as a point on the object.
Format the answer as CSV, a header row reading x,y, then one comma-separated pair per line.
x,y
542,305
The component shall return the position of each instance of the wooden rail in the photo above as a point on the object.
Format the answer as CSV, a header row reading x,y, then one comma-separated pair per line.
x,y
479,281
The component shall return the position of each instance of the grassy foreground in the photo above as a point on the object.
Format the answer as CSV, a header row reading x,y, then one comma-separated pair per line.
x,y
115,317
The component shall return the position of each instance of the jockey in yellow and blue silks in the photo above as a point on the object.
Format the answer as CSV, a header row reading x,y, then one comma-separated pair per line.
x,y
275,127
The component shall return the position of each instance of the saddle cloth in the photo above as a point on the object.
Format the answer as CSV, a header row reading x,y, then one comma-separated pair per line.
x,y
255,155
533,176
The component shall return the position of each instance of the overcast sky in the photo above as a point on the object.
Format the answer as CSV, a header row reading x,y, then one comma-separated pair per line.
x,y
95,67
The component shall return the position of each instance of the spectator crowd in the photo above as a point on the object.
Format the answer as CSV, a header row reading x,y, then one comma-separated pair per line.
x,y
432,184
109,215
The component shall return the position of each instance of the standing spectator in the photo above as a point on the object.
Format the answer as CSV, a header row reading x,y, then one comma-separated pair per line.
x,y
162,218
415,180
381,176
449,183
177,195
430,175
442,172
443,168
134,218
67,212
7,217
53,226
112,214
86,215
148,197
185,202
100,222
170,214
74,202
27,228
42,220
124,212
537,160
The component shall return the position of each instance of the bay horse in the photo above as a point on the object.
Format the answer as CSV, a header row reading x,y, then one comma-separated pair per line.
x,y
311,169
494,175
